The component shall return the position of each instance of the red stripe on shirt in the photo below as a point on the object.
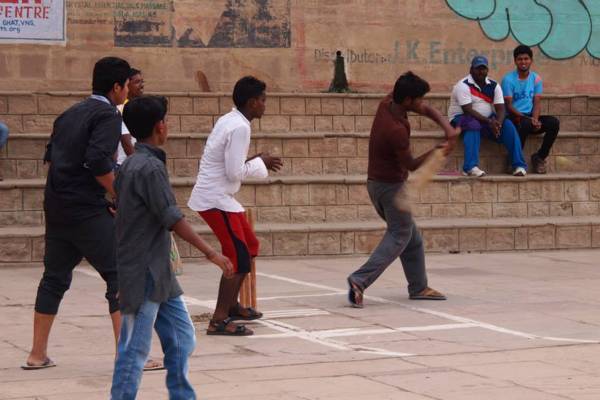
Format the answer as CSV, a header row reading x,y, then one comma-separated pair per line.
x,y
477,93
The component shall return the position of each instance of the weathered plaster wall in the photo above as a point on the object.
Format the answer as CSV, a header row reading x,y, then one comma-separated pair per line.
x,y
291,43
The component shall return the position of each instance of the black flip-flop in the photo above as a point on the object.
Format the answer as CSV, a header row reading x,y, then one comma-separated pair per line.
x,y
48,363
221,329
355,295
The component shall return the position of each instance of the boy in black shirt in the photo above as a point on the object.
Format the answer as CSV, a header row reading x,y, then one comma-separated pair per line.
x,y
149,294
78,220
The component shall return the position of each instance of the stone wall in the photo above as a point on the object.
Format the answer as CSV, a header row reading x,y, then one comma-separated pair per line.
x,y
288,43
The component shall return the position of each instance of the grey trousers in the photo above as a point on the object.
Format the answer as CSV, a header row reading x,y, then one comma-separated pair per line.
x,y
401,239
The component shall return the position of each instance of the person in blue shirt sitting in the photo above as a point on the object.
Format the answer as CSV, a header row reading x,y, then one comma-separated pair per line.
x,y
522,90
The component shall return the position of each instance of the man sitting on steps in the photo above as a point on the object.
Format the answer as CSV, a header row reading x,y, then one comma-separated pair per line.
x,y
522,94
477,106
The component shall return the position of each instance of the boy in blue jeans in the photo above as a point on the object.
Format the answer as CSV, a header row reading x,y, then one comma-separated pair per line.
x,y
149,294
477,107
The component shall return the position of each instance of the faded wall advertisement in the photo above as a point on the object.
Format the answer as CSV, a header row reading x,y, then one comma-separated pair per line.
x,y
32,21
203,23
291,44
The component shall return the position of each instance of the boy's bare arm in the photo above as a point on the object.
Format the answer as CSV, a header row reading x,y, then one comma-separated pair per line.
x,y
433,114
185,231
508,102
106,181
127,145
451,132
537,108
273,163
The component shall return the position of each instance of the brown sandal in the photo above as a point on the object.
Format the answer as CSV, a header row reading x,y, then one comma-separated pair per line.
x,y
248,314
428,294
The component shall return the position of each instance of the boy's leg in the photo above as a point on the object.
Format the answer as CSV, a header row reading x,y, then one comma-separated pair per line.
x,y
472,142
413,263
394,241
525,128
253,246
134,345
229,290
178,339
551,126
471,132
509,137
96,241
60,257
228,229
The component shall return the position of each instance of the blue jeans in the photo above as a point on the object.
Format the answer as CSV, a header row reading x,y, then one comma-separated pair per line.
x,y
472,130
3,134
177,338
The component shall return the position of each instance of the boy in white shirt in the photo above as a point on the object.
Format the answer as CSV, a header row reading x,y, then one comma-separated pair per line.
x,y
223,167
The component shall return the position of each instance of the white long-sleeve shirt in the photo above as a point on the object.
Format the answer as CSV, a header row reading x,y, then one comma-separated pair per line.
x,y
121,155
223,166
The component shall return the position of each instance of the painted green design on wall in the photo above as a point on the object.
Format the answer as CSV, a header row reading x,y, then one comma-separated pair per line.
x,y
560,28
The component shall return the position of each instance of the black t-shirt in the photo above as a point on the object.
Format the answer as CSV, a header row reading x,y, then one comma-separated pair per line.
x,y
82,146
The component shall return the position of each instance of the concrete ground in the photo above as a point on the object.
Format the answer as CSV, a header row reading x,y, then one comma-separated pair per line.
x,y
516,326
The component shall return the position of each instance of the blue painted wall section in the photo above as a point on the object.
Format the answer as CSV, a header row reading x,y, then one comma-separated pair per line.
x,y
560,28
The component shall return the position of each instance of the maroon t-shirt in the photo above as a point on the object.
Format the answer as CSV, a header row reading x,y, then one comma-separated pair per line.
x,y
389,145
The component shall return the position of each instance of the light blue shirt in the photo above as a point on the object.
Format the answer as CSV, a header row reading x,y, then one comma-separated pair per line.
x,y
522,91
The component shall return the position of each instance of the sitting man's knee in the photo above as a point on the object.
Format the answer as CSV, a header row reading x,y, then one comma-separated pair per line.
x,y
553,123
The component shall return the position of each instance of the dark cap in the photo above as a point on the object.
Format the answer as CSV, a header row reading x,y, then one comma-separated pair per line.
x,y
478,61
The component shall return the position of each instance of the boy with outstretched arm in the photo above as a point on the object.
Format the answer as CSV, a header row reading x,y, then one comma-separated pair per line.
x,y
390,160
224,165
149,294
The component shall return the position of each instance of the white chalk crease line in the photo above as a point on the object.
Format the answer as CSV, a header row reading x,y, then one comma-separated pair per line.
x,y
334,291
441,314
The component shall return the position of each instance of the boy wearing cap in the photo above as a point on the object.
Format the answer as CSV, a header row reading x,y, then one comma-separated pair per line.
x,y
522,93
477,107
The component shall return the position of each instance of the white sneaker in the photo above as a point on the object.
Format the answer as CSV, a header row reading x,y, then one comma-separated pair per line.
x,y
475,171
519,171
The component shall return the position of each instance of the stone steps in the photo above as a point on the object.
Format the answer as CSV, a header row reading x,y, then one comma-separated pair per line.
x,y
314,112
317,204
318,153
340,198
25,245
